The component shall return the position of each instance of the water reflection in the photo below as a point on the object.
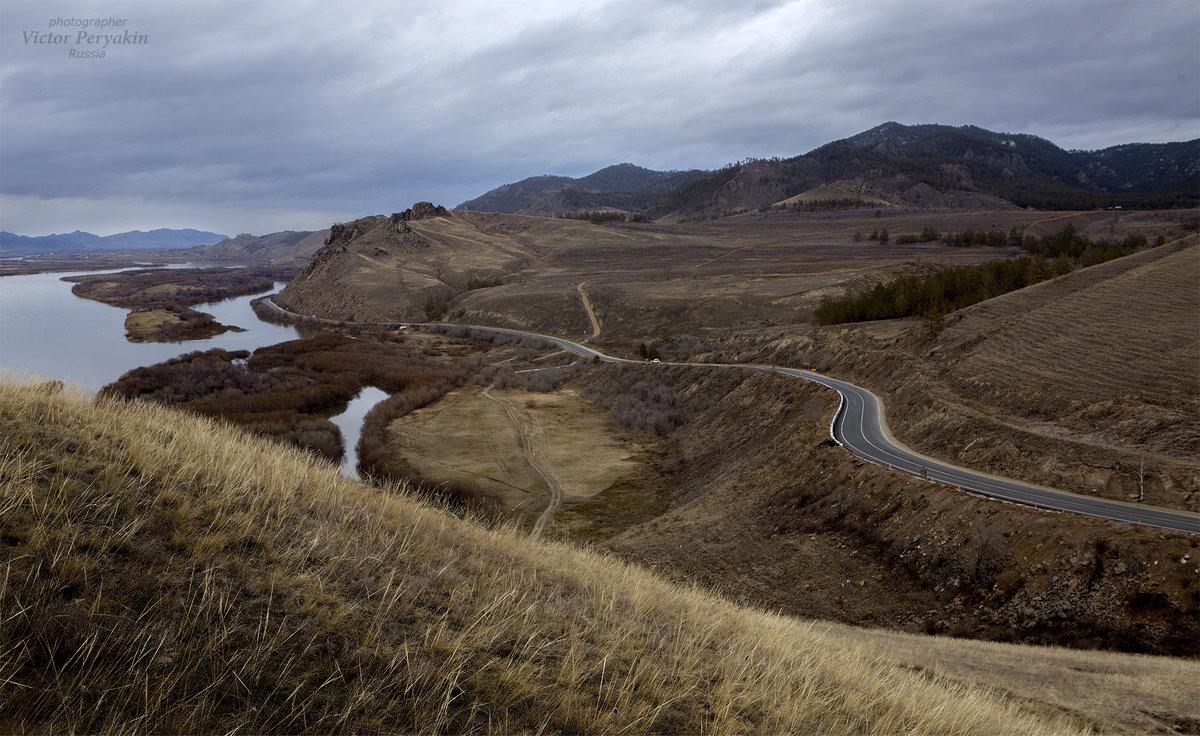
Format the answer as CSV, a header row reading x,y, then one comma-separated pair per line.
x,y
350,422
47,331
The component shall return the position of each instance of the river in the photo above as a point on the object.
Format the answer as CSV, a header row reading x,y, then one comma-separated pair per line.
x,y
47,331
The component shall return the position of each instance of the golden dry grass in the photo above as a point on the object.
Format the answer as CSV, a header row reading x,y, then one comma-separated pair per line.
x,y
148,321
464,437
1095,685
165,574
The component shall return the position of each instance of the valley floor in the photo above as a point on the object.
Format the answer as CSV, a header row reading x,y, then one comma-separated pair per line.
x,y
713,488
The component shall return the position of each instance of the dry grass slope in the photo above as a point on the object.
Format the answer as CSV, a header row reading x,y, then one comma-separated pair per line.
x,y
165,574
642,280
1125,331
1077,383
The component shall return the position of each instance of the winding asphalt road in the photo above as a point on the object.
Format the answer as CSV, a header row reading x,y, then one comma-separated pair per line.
x,y
859,426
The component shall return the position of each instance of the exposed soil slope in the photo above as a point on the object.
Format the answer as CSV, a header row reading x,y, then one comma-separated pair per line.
x,y
170,573
1120,348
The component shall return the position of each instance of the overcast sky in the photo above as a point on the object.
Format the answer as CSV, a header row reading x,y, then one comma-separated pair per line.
x,y
258,116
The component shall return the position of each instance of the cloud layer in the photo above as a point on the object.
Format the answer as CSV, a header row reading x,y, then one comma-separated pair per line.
x,y
261,116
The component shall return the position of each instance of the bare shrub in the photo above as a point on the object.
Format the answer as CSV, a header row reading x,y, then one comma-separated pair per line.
x,y
486,375
505,377
544,381
646,405
277,391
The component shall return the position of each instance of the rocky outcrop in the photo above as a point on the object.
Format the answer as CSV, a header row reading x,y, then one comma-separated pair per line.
x,y
341,233
398,224
421,211
382,230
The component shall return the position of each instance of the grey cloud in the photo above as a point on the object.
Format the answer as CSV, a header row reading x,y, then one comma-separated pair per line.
x,y
287,108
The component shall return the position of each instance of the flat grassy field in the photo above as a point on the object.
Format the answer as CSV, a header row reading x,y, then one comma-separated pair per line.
x,y
467,437
171,324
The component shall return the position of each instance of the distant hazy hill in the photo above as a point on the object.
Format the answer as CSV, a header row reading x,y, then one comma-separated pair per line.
x,y
924,166
290,247
621,187
161,239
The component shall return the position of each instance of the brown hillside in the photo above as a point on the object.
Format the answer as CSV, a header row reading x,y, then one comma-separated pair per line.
x,y
386,269
747,495
643,280
1110,342
764,507
164,574
1081,383
1081,380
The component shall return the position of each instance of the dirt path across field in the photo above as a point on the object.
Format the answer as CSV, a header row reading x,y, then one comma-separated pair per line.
x,y
587,307
714,260
1050,226
556,493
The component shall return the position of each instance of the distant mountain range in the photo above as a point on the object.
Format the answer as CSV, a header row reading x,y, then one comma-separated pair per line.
x,y
286,248
623,186
891,165
79,241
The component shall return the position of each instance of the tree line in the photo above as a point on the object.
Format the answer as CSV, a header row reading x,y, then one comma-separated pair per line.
x,y
953,288
598,217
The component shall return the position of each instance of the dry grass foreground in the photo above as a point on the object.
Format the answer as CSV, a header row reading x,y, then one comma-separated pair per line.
x,y
165,574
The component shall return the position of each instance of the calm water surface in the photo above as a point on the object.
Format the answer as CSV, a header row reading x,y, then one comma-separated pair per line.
x,y
351,422
47,331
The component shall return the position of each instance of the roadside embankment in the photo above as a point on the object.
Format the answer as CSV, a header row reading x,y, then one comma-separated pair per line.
x,y
766,507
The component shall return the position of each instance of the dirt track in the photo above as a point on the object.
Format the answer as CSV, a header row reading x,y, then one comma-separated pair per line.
x,y
587,307
556,493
